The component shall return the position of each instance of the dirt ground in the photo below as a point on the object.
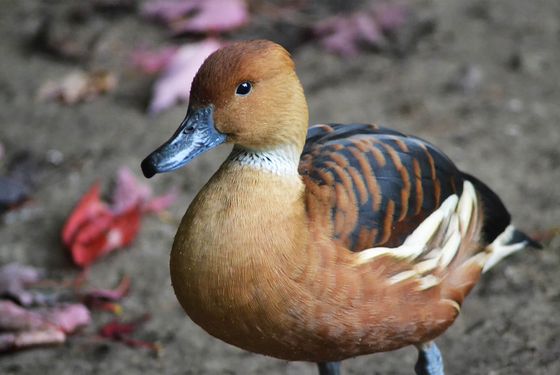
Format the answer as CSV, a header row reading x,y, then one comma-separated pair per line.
x,y
484,87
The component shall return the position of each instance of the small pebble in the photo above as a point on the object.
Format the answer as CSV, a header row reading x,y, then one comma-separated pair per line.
x,y
55,157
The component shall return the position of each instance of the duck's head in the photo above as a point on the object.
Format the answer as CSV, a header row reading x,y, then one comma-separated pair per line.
x,y
247,94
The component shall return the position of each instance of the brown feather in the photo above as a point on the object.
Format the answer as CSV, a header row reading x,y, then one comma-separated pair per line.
x,y
269,262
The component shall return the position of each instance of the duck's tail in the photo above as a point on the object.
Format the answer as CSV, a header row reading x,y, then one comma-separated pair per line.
x,y
502,237
508,242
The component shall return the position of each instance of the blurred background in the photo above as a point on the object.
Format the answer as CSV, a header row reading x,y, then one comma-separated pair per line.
x,y
89,88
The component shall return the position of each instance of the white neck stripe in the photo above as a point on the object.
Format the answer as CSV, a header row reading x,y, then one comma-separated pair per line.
x,y
282,161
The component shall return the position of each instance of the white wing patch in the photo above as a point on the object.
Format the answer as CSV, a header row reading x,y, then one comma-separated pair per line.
x,y
501,247
436,241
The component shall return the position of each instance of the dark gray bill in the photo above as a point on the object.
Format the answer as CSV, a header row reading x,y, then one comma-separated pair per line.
x,y
195,135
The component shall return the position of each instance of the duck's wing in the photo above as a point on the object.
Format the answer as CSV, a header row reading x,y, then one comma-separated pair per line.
x,y
373,186
423,230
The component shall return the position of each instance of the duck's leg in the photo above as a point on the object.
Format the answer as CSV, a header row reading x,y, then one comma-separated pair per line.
x,y
329,368
430,361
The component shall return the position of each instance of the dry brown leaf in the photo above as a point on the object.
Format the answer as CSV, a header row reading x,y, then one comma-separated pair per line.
x,y
78,86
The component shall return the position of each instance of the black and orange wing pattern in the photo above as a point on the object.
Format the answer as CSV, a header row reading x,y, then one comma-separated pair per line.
x,y
376,185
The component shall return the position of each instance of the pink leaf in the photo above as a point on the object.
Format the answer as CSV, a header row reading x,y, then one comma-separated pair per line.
x,y
68,318
14,278
347,34
113,295
152,62
128,191
161,203
26,339
168,10
16,318
174,84
199,16
214,16
391,16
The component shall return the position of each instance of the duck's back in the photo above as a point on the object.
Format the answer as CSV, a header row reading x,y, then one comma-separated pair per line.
x,y
376,185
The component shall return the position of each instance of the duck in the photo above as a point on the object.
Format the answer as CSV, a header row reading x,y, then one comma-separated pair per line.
x,y
327,242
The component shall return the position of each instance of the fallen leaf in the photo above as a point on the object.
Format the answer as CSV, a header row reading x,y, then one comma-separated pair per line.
x,y
24,171
14,278
346,35
110,294
70,33
128,191
27,339
390,17
174,83
66,318
95,228
151,62
55,315
121,331
198,16
78,86
106,299
28,328
159,204
12,193
103,234
88,208
16,318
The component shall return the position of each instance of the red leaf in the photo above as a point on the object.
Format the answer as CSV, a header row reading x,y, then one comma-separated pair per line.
x,y
95,228
120,331
103,234
87,208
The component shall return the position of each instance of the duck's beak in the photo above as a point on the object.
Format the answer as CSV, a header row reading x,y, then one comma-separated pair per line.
x,y
195,135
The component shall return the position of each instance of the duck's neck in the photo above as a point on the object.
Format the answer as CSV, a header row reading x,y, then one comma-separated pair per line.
x,y
252,207
280,161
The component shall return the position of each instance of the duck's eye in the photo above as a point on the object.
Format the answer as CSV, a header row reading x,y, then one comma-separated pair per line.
x,y
243,89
